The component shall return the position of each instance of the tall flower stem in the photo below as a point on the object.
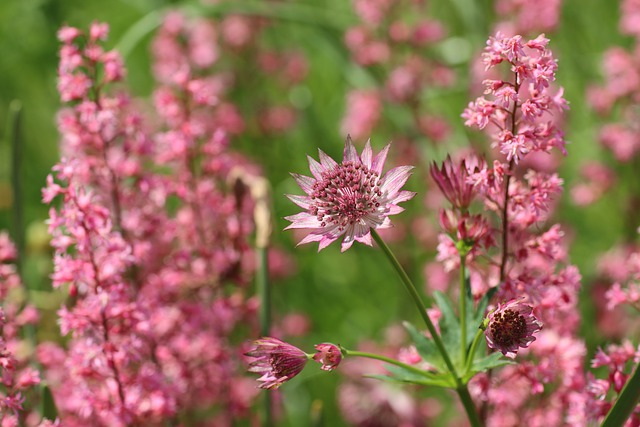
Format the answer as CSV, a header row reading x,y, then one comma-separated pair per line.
x,y
461,388
413,292
463,307
626,403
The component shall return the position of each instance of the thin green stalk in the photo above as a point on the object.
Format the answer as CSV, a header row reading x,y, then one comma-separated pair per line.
x,y
461,388
626,403
463,308
410,287
264,294
385,359
469,406
472,352
260,191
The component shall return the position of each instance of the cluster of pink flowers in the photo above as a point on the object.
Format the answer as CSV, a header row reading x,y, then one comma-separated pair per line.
x,y
530,266
18,376
385,39
151,226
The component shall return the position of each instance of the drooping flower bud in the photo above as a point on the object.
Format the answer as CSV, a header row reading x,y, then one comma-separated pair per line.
x,y
329,355
277,361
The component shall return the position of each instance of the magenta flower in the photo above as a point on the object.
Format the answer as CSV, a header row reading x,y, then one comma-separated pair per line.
x,y
510,326
277,361
350,198
329,355
453,180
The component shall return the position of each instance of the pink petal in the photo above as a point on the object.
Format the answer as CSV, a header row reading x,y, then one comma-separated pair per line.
x,y
302,201
395,179
350,153
315,167
366,239
327,161
326,241
305,182
394,209
378,162
402,196
302,220
367,154
311,237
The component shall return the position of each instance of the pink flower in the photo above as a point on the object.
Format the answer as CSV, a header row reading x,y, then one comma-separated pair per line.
x,y
329,355
512,325
453,180
350,198
277,361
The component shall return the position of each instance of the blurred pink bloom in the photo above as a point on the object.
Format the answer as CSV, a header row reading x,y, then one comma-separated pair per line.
x,y
363,112
511,326
277,361
350,198
329,355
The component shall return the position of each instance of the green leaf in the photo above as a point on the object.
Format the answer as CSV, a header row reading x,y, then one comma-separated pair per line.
x,y
49,409
449,326
398,374
471,316
483,364
491,361
426,348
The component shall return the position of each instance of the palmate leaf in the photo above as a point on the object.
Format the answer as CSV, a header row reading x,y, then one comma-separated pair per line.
x,y
449,326
494,360
426,348
399,374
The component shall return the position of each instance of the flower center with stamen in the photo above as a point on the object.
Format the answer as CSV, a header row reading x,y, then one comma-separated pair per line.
x,y
508,328
345,195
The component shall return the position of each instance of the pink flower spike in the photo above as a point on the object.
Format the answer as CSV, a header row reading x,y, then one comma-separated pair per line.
x,y
350,198
510,326
277,361
329,355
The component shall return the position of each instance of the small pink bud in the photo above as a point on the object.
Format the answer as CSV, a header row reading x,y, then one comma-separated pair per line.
x,y
329,355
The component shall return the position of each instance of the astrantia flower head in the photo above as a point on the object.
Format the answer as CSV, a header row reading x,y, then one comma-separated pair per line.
x,y
453,180
350,198
277,361
329,355
511,326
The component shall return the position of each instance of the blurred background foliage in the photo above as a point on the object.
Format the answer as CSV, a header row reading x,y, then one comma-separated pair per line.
x,y
348,297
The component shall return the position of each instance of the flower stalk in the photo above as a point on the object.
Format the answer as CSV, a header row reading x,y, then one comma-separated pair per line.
x,y
413,292
461,388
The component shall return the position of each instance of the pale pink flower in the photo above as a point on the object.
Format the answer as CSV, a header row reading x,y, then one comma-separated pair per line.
x,y
277,361
511,326
329,355
350,198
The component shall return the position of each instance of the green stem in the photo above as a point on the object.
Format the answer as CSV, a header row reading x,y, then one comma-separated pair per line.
x,y
469,406
410,287
385,359
463,308
264,293
472,352
626,403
